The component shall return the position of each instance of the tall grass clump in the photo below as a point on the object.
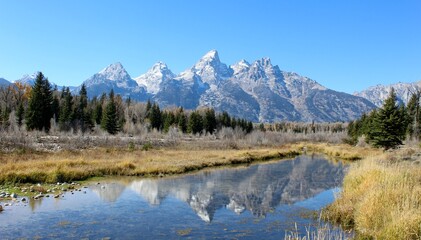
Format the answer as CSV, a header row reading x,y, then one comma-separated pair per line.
x,y
381,198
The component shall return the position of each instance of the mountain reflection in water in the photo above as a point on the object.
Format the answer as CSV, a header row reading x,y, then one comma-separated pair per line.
x,y
258,189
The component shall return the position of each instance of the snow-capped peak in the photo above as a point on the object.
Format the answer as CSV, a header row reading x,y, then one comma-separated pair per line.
x,y
210,58
212,54
240,66
159,67
115,71
27,79
209,68
152,79
264,63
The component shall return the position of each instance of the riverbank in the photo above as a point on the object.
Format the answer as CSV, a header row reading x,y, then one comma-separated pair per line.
x,y
381,196
68,166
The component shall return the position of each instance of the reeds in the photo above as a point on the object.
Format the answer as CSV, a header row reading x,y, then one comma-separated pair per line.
x,y
381,197
66,166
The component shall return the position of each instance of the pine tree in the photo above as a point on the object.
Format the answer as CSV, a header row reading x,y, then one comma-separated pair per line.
x,y
195,124
225,119
81,112
148,108
97,113
39,110
182,123
65,116
20,114
388,129
413,116
155,116
169,120
209,121
110,120
55,108
249,127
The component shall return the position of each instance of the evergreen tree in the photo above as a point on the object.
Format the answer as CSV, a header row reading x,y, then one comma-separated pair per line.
x,y
209,121
4,118
65,116
262,127
110,119
181,120
168,120
39,110
97,113
55,108
413,116
148,108
388,129
195,124
225,119
249,127
20,114
81,112
155,117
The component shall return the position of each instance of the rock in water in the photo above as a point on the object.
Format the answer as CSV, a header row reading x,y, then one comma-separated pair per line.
x,y
13,195
38,196
1,208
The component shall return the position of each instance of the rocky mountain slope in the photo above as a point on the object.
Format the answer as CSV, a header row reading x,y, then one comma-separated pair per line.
x,y
377,94
4,82
258,91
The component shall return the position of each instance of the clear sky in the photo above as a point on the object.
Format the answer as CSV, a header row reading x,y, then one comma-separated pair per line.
x,y
344,45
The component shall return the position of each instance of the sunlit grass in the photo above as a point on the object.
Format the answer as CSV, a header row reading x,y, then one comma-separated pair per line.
x,y
80,165
381,198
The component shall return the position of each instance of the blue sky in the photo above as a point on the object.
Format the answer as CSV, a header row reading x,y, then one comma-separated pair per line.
x,y
344,45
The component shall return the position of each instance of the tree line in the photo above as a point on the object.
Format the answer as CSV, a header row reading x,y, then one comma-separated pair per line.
x,y
41,106
389,125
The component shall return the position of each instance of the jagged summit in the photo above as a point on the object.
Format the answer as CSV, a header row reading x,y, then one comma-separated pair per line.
x,y
27,79
211,55
159,66
210,69
257,91
115,72
377,94
153,78
240,66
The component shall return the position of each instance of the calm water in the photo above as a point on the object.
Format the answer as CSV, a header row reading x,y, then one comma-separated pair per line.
x,y
260,201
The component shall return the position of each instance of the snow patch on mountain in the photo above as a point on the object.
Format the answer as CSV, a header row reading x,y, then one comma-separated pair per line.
x,y
153,78
377,94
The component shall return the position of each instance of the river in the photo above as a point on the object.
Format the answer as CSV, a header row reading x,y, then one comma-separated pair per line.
x,y
265,201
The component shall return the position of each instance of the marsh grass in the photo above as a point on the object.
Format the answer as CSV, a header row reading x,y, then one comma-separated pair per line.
x,y
320,232
138,160
66,166
381,197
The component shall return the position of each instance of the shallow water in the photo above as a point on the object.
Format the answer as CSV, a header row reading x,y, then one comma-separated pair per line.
x,y
259,201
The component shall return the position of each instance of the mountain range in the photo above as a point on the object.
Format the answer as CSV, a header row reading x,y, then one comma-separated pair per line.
x,y
377,94
258,91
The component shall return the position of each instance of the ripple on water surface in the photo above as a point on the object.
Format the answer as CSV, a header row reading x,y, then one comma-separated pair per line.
x,y
262,200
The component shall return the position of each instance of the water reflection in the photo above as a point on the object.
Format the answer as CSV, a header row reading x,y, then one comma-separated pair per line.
x,y
258,189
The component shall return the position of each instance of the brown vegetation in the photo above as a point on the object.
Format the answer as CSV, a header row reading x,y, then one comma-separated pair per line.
x,y
68,166
381,197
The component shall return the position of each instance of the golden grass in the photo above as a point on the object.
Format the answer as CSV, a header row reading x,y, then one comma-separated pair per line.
x,y
72,166
342,151
381,198
66,166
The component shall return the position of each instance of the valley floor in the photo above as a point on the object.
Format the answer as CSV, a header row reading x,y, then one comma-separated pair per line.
x,y
381,195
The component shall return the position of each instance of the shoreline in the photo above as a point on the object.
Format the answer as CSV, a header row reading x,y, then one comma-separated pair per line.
x,y
20,169
373,171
